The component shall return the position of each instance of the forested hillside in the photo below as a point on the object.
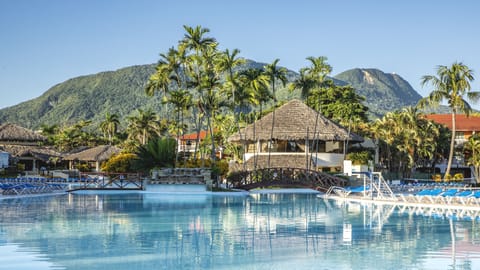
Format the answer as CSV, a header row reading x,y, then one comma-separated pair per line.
x,y
122,92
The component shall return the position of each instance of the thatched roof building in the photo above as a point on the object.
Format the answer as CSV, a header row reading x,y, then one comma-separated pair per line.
x,y
37,152
95,155
295,121
11,133
98,153
25,147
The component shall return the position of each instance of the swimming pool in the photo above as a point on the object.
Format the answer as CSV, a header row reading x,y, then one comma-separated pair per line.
x,y
204,231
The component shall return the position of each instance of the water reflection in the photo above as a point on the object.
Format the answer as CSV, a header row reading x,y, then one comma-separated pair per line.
x,y
261,231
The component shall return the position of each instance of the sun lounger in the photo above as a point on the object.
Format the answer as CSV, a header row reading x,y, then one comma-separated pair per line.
x,y
474,199
446,196
462,197
428,195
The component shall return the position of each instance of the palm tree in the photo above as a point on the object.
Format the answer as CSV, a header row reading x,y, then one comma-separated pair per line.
x,y
227,62
143,126
194,39
254,84
109,126
158,152
386,130
182,101
451,84
167,72
311,82
473,145
201,66
304,83
273,72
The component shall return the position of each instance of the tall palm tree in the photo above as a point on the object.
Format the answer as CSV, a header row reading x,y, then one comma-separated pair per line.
x,y
143,126
202,73
182,101
194,39
274,73
451,84
254,84
226,63
311,82
304,83
109,126
168,72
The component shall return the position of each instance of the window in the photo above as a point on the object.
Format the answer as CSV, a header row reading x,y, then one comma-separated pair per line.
x,y
459,135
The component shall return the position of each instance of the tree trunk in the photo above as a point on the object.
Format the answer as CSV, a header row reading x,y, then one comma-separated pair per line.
x,y
452,144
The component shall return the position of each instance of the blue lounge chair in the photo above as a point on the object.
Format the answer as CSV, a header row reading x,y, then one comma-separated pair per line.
x,y
447,196
463,196
428,195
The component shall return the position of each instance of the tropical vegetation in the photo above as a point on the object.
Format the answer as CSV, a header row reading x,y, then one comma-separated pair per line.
x,y
451,84
197,87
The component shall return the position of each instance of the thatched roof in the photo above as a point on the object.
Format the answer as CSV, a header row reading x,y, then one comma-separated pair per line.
x,y
39,152
295,121
12,132
98,153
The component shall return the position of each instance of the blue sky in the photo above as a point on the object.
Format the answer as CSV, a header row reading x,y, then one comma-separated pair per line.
x,y
44,43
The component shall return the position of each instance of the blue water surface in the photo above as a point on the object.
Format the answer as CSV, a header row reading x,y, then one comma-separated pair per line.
x,y
204,231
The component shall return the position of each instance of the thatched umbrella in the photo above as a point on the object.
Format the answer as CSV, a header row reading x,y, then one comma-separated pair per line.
x,y
295,121
96,154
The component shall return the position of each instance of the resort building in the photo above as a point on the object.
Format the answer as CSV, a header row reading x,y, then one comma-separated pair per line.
x,y
26,148
187,143
93,157
465,126
301,138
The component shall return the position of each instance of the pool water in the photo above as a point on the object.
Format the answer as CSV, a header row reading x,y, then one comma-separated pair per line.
x,y
204,231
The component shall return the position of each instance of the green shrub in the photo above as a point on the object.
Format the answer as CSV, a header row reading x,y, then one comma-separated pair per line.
x,y
359,158
120,163
158,152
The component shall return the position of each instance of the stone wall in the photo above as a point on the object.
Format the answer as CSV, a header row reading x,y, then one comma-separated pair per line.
x,y
182,176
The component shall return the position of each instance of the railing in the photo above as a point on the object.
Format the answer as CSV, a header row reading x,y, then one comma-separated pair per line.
x,y
110,181
378,186
285,177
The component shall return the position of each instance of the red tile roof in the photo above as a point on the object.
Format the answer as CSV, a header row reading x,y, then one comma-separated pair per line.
x,y
193,136
462,123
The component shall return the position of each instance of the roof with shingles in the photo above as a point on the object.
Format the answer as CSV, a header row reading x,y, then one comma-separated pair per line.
x,y
193,136
295,121
462,121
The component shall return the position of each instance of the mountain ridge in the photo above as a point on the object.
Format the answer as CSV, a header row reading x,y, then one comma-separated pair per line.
x,y
121,91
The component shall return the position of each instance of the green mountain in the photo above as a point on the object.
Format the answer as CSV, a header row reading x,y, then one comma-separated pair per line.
x,y
383,92
122,92
86,98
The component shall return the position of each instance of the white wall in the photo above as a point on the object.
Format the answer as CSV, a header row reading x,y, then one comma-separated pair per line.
x,y
4,159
